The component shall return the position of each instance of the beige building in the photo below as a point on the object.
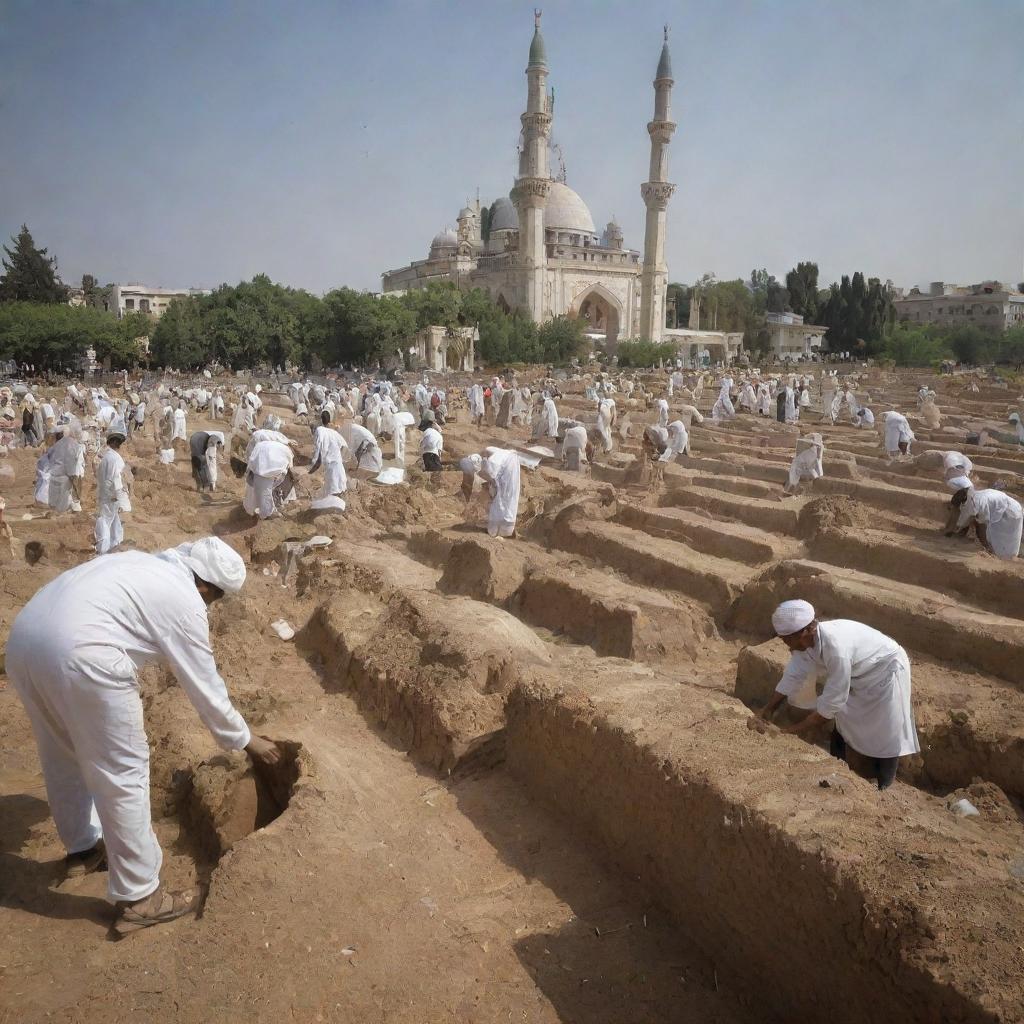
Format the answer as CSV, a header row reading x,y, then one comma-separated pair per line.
x,y
991,304
538,248
704,348
791,338
139,298
437,348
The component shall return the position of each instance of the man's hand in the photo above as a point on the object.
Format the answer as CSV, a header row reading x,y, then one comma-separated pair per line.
x,y
263,750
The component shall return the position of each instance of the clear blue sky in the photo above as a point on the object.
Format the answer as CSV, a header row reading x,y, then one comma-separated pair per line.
x,y
190,143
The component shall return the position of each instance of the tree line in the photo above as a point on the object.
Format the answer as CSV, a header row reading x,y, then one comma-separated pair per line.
x,y
256,323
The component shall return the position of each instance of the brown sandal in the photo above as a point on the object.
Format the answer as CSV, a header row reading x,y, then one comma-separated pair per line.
x,y
167,906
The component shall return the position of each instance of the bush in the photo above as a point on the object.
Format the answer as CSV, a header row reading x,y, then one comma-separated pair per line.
x,y
641,354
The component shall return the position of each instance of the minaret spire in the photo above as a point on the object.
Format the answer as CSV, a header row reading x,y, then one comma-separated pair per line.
x,y
656,192
534,180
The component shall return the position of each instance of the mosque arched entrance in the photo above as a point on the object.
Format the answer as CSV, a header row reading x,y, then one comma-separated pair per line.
x,y
599,308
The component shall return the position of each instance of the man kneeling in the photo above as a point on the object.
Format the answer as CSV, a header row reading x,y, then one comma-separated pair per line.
x,y
866,688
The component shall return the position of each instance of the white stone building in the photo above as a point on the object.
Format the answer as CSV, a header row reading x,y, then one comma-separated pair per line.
x,y
791,338
541,251
140,298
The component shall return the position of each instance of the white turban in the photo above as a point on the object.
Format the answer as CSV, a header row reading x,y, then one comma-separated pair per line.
x,y
471,464
792,616
958,483
216,562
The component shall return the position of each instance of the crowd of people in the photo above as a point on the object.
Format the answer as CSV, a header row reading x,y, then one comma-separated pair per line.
x,y
77,675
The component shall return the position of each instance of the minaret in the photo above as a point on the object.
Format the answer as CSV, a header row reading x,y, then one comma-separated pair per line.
x,y
531,189
656,192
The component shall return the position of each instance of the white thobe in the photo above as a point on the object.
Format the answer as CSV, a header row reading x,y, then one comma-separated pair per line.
x,y
662,413
792,412
179,426
328,448
267,464
806,465
574,448
1001,516
364,447
67,462
866,687
111,496
547,424
41,495
431,443
76,672
475,397
605,414
678,441
501,470
897,430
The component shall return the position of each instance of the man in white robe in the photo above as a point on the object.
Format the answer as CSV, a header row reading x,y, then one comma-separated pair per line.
x,y
431,446
67,468
363,448
111,494
996,517
268,465
662,412
500,469
865,418
574,447
866,691
807,463
678,442
329,452
898,434
77,675
547,421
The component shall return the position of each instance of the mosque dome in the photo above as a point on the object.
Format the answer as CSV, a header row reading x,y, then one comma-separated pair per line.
x,y
565,211
446,239
465,212
504,216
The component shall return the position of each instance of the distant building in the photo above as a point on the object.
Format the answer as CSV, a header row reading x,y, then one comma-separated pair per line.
x,y
437,348
791,338
991,304
702,348
140,298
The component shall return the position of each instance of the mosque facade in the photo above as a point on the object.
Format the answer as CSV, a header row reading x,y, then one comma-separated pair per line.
x,y
538,250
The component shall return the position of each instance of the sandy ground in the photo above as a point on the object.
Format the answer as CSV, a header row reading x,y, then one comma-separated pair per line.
x,y
436,859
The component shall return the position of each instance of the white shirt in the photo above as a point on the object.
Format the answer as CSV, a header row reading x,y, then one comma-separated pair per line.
x,y
109,485
866,688
122,612
328,445
432,442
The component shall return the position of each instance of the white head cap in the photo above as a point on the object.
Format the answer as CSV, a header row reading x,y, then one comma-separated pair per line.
x,y
792,616
958,483
217,563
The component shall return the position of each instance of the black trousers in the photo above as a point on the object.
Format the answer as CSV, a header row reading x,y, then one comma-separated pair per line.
x,y
432,462
885,767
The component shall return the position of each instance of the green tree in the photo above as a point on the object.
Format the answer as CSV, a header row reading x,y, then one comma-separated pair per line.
x,y
55,336
802,285
437,305
908,345
972,345
29,274
562,339
681,294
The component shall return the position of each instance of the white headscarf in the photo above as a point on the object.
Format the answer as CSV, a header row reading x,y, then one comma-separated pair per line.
x,y
211,560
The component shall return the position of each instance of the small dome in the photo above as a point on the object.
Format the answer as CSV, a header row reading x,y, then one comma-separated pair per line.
x,y
466,212
504,216
445,239
566,211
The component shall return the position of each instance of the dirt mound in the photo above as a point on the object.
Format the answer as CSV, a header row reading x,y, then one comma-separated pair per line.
x,y
832,512
483,568
990,800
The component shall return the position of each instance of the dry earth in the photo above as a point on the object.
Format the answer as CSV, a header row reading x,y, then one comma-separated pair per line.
x,y
523,786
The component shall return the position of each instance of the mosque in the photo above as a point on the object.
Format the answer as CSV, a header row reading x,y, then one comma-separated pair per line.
x,y
538,250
